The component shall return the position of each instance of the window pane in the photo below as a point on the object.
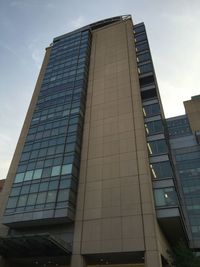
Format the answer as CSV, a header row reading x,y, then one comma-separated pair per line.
x,y
31,199
43,187
140,37
25,189
53,185
12,202
19,177
141,47
37,174
34,188
55,170
65,183
51,196
151,110
63,195
28,175
15,191
67,169
41,198
157,147
161,170
165,196
143,57
22,201
154,127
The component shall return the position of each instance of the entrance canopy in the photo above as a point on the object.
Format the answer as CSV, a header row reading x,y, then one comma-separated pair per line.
x,y
39,245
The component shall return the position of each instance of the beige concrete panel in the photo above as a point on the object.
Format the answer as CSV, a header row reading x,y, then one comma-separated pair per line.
x,y
91,214
98,99
124,106
96,150
93,199
111,183
92,230
77,261
110,110
94,173
96,131
153,259
111,212
111,148
125,123
111,197
130,195
192,108
110,95
128,164
97,113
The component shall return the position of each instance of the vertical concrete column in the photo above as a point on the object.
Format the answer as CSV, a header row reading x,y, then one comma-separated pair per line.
x,y
2,262
78,261
152,259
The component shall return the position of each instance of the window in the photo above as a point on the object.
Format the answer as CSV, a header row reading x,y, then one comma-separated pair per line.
x,y
140,37
66,169
12,202
55,170
43,187
28,175
63,195
31,199
154,127
41,198
165,197
65,183
25,189
142,47
37,174
19,177
145,68
15,191
143,57
157,147
22,201
34,188
51,196
139,29
161,170
151,110
53,185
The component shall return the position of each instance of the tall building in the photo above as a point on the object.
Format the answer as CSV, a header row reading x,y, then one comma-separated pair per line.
x,y
92,181
184,134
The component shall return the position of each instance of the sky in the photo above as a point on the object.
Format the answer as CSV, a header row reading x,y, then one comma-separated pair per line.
x,y
28,26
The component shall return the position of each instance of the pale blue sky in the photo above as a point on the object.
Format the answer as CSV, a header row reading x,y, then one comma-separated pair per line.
x,y
28,26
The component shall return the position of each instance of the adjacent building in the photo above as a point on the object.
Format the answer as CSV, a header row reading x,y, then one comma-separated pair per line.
x,y
184,141
92,181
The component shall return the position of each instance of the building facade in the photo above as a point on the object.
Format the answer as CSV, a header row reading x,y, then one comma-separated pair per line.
x,y
92,181
184,142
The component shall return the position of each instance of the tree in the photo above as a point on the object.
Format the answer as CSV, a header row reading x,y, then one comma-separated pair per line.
x,y
182,256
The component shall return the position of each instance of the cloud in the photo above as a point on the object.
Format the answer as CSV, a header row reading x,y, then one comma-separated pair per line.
x,y
18,3
78,22
35,54
11,51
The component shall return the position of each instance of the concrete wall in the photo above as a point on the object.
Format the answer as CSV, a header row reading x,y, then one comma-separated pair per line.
x,y
115,210
192,108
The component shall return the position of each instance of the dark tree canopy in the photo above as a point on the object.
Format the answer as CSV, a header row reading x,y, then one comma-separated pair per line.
x,y
182,256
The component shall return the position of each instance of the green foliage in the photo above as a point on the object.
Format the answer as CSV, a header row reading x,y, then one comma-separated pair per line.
x,y
182,256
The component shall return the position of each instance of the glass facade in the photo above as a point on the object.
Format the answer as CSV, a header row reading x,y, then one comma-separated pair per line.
x,y
154,121
188,165
178,127
47,175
